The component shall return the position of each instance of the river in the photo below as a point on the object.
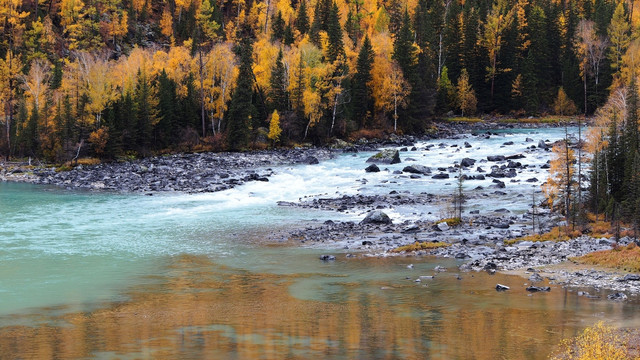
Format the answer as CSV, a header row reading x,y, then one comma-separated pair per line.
x,y
104,275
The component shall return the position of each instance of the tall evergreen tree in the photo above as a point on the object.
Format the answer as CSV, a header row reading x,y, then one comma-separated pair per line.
x,y
277,27
278,86
167,99
362,103
334,33
242,110
302,18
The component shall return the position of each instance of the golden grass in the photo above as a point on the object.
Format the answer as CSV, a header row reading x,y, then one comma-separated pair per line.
x,y
599,342
625,258
417,246
558,233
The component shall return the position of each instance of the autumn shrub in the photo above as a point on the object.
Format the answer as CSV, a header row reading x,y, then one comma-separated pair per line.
x,y
599,342
625,258
558,233
417,246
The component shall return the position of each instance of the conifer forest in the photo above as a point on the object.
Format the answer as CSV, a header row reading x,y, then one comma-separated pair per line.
x,y
127,78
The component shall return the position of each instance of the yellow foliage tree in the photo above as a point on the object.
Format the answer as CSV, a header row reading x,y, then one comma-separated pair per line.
x,y
274,127
389,87
466,95
563,105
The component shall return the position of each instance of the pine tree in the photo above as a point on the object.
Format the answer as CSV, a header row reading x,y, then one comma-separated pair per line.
x,y
362,102
242,110
287,37
630,143
278,86
146,106
302,19
334,32
277,27
167,116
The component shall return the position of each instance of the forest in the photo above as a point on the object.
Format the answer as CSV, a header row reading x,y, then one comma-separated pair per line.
x,y
127,78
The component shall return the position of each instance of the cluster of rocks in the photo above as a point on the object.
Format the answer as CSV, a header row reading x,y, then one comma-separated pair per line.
x,y
205,172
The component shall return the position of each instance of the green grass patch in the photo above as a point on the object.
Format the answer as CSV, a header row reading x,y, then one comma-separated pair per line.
x,y
417,246
625,258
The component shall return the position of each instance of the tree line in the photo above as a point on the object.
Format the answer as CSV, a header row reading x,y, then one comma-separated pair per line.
x,y
115,78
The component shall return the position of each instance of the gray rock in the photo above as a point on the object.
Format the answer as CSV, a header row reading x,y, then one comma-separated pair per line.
x,y
372,168
631,277
467,162
417,169
467,145
327,257
542,145
310,160
535,277
496,158
440,176
443,226
388,156
377,217
617,296
500,287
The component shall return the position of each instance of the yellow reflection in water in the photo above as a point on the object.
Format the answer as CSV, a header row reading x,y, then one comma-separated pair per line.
x,y
202,310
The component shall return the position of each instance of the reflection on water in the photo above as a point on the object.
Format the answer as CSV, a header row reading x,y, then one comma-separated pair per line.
x,y
198,309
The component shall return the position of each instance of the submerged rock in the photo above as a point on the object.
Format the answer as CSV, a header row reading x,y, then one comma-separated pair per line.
x,y
538,289
377,217
327,257
417,169
389,156
500,287
617,296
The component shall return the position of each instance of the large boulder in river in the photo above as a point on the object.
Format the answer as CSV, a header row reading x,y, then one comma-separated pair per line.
x,y
389,156
542,144
417,169
377,217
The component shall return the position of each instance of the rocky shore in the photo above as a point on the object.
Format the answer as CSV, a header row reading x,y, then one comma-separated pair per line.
x,y
190,173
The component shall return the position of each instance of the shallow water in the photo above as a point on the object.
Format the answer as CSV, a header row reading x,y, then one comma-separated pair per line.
x,y
106,275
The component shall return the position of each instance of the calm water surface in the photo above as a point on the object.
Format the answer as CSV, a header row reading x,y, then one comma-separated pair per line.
x,y
97,275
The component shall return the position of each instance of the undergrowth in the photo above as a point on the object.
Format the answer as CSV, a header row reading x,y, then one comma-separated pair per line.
x,y
558,233
625,258
417,246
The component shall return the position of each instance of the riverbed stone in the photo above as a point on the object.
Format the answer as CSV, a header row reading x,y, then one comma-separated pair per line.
x,y
417,169
377,217
373,168
388,156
